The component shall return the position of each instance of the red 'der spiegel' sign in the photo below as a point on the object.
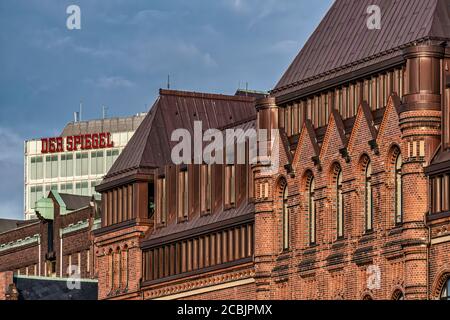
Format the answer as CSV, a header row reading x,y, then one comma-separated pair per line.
x,y
78,142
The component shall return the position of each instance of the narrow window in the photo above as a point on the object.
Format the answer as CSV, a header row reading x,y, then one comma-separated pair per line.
x,y
339,206
230,195
206,188
368,198
285,219
445,294
398,190
312,212
161,201
183,194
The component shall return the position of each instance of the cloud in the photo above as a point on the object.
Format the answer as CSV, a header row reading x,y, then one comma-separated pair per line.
x,y
11,146
192,52
110,82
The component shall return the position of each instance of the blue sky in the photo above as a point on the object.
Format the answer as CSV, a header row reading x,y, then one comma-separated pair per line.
x,y
122,56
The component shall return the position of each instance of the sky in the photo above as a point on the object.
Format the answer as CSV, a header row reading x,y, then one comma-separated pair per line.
x,y
123,54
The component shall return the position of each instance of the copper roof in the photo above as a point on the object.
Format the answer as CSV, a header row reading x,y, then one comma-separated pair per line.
x,y
342,43
75,202
151,145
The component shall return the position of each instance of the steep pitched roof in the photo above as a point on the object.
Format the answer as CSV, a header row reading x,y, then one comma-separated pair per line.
x,y
342,42
151,145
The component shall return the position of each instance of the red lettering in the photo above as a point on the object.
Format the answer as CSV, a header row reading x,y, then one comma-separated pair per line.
x,y
59,145
95,141
44,145
52,145
87,142
110,143
102,140
77,141
69,143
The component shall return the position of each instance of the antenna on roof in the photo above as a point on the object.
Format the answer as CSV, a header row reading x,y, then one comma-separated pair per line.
x,y
168,81
104,112
246,88
81,110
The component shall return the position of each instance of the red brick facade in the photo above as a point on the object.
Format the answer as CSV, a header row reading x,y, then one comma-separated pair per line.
x,y
34,247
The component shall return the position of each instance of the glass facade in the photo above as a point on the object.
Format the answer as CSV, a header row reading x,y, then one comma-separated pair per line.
x,y
68,172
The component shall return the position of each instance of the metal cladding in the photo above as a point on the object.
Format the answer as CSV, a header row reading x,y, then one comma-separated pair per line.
x,y
342,43
151,145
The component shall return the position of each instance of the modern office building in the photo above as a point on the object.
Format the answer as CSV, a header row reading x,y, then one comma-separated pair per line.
x,y
76,161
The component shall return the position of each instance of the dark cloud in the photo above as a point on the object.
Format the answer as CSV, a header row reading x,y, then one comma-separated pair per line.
x,y
123,53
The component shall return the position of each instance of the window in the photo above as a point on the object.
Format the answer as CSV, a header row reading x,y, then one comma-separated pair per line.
x,y
66,165
440,193
48,188
230,195
93,185
97,162
161,201
51,167
183,194
82,188
311,212
339,206
82,163
206,188
66,188
285,218
111,157
445,294
36,168
368,195
36,193
398,190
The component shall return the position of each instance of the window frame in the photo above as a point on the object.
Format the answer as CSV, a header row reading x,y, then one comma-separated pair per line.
x,y
312,212
368,198
285,217
339,206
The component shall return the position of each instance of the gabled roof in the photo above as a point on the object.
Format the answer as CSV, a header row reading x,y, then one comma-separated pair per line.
x,y
75,202
151,145
342,43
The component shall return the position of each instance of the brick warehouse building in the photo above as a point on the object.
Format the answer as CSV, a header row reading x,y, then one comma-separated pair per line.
x,y
359,206
61,236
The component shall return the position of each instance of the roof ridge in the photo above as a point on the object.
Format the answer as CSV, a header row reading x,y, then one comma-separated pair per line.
x,y
351,64
203,95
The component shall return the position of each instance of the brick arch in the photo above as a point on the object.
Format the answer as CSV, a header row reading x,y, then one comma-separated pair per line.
x,y
439,283
364,160
307,177
333,171
367,295
393,152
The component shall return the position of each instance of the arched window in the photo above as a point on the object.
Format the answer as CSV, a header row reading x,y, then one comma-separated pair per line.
x,y
339,206
398,190
445,293
368,197
398,295
285,218
311,211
